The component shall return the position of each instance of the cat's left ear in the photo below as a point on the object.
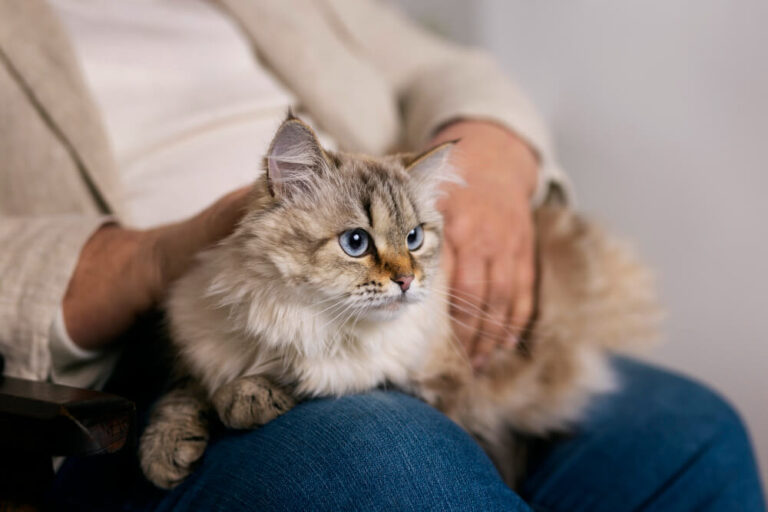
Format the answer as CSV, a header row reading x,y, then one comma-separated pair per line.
x,y
433,167
294,159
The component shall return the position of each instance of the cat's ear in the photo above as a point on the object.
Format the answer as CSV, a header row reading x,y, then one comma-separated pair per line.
x,y
433,167
294,159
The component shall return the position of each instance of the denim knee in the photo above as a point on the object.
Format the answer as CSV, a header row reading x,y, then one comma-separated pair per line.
x,y
706,447
376,451
685,407
660,442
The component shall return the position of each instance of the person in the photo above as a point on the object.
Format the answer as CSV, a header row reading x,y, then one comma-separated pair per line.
x,y
121,120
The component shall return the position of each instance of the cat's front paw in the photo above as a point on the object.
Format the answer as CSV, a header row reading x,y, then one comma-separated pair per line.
x,y
171,446
250,402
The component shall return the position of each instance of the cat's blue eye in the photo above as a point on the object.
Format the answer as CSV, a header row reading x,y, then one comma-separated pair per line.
x,y
415,238
355,242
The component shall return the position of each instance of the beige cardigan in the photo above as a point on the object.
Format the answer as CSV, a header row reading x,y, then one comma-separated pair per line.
x,y
368,76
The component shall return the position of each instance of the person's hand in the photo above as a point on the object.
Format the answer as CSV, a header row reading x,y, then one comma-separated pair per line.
x,y
123,272
489,243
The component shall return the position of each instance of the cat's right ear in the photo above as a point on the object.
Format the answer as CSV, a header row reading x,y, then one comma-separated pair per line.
x,y
294,158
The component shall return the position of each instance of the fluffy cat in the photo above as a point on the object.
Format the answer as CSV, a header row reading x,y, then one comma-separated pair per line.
x,y
331,285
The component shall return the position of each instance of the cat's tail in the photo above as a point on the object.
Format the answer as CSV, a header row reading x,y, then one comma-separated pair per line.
x,y
593,289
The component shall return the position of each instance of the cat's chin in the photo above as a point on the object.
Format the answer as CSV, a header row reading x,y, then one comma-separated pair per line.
x,y
387,311
383,315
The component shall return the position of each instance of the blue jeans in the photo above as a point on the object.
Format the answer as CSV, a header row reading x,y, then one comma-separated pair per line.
x,y
661,443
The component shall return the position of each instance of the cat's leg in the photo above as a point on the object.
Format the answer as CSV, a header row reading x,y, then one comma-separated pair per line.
x,y
176,436
251,401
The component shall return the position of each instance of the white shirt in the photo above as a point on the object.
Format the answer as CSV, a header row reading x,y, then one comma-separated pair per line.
x,y
189,112
188,109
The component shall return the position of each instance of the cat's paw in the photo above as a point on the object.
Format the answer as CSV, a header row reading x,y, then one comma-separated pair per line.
x,y
170,448
250,402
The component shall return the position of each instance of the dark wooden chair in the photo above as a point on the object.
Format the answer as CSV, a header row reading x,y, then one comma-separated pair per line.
x,y
39,420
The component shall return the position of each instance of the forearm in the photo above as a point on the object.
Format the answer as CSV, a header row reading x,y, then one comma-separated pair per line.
x,y
108,287
122,273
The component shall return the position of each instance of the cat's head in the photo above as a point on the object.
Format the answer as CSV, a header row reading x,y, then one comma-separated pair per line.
x,y
358,236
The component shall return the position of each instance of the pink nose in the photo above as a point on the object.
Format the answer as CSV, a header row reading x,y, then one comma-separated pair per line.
x,y
404,281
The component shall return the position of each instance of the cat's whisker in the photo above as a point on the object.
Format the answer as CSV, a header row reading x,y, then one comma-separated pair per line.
x,y
479,314
336,297
515,334
459,347
340,298
483,315
337,316
331,307
485,335
510,328
481,281
464,297
332,297
331,312
351,313
357,315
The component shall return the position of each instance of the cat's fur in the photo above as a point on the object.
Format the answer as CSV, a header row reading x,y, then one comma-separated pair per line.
x,y
278,312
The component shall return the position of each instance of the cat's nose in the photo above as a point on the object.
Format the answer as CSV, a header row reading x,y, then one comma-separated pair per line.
x,y
404,281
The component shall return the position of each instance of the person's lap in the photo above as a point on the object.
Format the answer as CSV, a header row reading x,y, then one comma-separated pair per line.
x,y
661,443
375,451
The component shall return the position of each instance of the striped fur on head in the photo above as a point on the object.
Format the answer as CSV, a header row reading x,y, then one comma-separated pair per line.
x,y
309,196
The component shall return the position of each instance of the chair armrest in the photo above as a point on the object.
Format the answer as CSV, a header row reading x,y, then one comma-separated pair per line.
x,y
39,417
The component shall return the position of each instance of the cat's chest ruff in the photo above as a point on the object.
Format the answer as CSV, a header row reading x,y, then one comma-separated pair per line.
x,y
374,356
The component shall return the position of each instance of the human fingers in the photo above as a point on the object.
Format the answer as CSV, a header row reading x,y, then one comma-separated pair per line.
x,y
523,301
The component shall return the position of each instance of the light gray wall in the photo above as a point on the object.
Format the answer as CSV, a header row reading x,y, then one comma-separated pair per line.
x,y
660,114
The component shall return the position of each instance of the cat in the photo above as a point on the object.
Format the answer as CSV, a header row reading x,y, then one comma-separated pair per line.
x,y
331,284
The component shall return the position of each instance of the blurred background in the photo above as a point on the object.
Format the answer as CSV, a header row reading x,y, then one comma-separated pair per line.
x,y
660,116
